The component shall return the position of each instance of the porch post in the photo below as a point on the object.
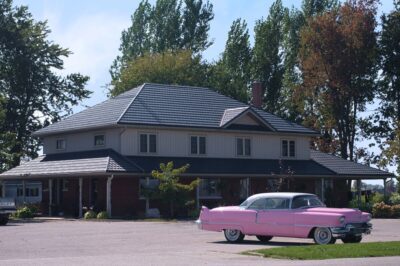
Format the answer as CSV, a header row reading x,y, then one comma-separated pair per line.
x,y
80,197
3,189
23,191
109,183
359,193
384,189
50,195
323,189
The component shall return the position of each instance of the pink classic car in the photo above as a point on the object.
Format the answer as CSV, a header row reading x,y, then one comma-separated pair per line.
x,y
298,215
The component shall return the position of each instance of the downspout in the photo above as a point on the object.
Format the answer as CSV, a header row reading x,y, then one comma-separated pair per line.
x,y
120,139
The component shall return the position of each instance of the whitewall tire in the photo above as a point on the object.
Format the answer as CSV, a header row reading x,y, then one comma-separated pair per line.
x,y
323,236
233,235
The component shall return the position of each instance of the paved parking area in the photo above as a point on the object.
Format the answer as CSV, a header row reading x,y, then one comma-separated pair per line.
x,y
150,243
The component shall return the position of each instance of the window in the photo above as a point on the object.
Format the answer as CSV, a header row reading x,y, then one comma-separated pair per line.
x,y
147,186
243,146
60,144
99,140
288,148
148,143
29,191
270,204
210,188
197,145
64,184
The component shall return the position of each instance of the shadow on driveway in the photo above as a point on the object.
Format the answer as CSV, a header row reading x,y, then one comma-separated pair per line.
x,y
259,243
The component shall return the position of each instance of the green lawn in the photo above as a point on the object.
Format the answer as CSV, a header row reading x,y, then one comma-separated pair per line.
x,y
323,252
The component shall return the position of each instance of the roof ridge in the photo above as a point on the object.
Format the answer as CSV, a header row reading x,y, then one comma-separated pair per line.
x,y
130,103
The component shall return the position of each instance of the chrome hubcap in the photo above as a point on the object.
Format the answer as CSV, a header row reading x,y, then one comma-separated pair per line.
x,y
232,234
323,235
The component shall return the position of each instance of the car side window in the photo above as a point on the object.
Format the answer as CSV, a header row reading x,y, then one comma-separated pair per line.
x,y
259,204
277,203
299,202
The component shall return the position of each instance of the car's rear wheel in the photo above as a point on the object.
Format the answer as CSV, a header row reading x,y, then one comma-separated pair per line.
x,y
264,238
323,236
233,235
352,239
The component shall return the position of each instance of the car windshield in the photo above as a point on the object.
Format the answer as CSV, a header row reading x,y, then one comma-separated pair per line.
x,y
302,202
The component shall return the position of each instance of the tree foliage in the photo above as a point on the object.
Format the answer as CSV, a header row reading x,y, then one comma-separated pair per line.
x,y
338,62
169,26
268,56
171,190
232,74
34,93
180,67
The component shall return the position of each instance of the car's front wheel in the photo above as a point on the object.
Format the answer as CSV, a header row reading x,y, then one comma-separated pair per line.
x,y
233,235
323,236
352,239
264,238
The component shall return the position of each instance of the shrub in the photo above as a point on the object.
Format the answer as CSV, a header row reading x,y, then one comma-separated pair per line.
x,y
377,198
102,215
394,199
24,212
381,210
396,211
90,215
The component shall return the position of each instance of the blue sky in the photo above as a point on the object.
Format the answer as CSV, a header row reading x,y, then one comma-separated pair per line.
x,y
91,29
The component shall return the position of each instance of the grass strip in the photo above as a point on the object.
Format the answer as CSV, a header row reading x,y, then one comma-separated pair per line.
x,y
323,252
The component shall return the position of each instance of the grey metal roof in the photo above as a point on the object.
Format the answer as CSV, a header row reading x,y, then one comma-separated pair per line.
x,y
344,167
236,166
107,161
74,163
185,106
166,105
103,114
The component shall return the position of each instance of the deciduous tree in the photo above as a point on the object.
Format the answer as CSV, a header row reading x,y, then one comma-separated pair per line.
x,y
180,68
338,61
34,92
231,75
171,190
168,26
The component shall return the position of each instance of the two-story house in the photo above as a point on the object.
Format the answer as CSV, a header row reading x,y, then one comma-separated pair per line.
x,y
104,155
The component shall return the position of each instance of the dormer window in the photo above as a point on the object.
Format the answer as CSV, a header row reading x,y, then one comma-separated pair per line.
x,y
288,148
60,144
99,140
243,146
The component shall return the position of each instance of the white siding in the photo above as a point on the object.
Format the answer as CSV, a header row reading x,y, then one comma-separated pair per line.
x,y
82,141
219,145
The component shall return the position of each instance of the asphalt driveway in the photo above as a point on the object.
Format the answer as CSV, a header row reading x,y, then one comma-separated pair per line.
x,y
150,243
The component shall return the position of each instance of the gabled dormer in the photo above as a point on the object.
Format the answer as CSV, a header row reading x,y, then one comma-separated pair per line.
x,y
244,118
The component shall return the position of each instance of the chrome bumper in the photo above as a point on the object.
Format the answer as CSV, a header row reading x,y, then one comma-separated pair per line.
x,y
199,224
352,229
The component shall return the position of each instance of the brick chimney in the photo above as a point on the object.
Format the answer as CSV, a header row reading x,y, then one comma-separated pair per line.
x,y
256,99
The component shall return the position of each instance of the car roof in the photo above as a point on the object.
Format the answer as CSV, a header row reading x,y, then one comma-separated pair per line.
x,y
278,195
